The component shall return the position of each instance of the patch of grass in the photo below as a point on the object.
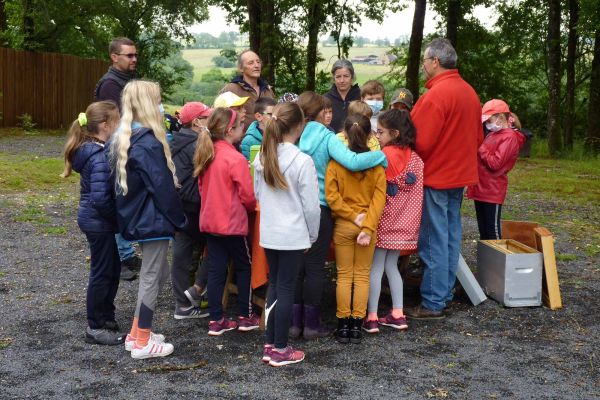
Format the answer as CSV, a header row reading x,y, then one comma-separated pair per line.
x,y
565,257
2,274
55,230
32,213
4,343
9,132
25,172
64,299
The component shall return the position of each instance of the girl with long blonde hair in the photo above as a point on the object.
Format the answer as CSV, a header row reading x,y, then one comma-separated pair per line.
x,y
285,183
227,197
84,153
148,208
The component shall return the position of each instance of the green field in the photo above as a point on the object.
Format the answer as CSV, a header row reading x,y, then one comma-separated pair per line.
x,y
201,60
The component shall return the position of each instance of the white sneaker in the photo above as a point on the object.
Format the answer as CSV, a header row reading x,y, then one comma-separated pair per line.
x,y
156,337
152,349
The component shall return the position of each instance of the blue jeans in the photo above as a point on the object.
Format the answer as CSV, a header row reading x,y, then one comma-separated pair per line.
x,y
125,247
439,245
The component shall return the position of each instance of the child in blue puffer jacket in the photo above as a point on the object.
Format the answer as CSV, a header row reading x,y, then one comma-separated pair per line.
x,y
84,153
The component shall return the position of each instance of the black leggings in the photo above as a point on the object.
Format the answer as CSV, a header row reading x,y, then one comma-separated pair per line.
x,y
283,273
488,220
311,277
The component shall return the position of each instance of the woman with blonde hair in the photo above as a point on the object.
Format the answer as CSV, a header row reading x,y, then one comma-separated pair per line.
x,y
148,208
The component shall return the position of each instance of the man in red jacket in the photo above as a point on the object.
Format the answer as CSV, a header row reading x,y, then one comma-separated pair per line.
x,y
449,131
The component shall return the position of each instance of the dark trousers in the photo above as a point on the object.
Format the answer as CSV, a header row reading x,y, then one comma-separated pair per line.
x,y
283,273
187,263
311,277
221,249
104,278
488,220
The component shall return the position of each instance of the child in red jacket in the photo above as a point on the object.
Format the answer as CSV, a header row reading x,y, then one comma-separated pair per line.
x,y
227,197
496,156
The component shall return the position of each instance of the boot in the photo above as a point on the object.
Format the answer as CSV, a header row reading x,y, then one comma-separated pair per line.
x,y
343,331
355,330
312,323
296,326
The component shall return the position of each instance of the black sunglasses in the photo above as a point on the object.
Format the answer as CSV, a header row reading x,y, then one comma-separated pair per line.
x,y
128,55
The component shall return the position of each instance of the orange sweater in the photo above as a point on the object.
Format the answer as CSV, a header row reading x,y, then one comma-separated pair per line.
x,y
449,131
352,193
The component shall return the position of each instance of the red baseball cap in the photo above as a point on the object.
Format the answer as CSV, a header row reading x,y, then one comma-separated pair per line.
x,y
492,107
193,110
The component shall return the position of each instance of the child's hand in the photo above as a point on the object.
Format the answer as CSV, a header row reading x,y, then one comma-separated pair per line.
x,y
359,219
363,239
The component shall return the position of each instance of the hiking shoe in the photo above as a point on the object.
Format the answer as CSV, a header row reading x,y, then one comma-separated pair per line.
x,y
289,356
396,323
155,337
370,326
152,349
193,296
133,263
267,350
420,312
250,323
190,312
217,328
127,274
104,337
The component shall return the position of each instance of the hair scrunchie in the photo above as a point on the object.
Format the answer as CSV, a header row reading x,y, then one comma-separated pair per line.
x,y
274,117
82,118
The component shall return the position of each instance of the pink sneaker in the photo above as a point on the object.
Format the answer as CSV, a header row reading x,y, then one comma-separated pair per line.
x,y
371,326
217,328
267,350
250,323
155,337
396,323
289,356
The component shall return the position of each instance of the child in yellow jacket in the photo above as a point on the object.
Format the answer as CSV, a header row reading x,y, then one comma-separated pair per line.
x,y
357,200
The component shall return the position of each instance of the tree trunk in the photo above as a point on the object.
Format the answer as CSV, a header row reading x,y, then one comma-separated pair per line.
x,y
3,24
571,57
268,40
254,20
314,18
28,26
414,48
452,21
554,54
593,129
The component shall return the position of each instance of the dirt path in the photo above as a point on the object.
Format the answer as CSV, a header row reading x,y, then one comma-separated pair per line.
x,y
478,352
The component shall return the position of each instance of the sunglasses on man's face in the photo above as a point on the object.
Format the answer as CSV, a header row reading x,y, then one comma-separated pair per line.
x,y
128,55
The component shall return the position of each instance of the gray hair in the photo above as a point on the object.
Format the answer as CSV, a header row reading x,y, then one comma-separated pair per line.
x,y
442,49
342,63
240,62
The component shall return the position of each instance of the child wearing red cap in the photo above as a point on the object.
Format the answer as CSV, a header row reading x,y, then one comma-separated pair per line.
x,y
188,245
496,156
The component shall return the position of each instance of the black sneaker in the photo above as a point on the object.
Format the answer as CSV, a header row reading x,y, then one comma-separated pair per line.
x,y
104,336
134,263
193,296
127,274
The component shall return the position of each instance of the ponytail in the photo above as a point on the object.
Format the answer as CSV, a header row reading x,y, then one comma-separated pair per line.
x,y
358,129
286,117
85,127
219,122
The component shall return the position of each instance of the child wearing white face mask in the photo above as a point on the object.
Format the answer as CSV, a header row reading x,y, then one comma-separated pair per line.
x,y
496,156
373,93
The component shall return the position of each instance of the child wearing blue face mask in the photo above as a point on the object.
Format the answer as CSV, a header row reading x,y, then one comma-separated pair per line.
x,y
373,93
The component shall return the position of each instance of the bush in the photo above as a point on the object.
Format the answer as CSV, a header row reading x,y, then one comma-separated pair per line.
x,y
223,62
27,122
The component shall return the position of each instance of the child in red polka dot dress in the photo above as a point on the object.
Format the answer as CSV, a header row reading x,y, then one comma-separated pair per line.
x,y
398,228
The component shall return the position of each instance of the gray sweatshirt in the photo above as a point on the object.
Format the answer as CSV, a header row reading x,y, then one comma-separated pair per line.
x,y
289,219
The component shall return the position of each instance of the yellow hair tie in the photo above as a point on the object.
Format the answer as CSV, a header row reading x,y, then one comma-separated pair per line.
x,y
82,118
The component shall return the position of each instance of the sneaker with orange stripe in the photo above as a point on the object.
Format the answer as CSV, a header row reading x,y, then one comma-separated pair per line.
x,y
152,349
130,340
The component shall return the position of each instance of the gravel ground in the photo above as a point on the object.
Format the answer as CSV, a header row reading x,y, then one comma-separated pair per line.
x,y
477,352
